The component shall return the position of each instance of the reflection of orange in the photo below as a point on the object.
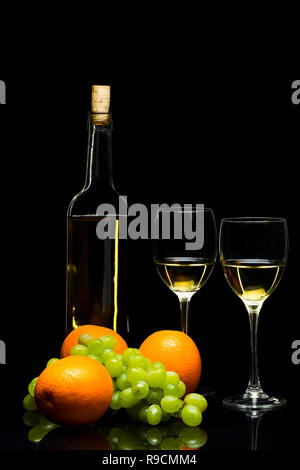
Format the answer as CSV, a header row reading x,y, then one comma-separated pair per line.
x,y
96,332
178,352
79,438
75,390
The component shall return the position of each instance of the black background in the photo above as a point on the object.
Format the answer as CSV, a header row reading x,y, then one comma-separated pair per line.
x,y
228,141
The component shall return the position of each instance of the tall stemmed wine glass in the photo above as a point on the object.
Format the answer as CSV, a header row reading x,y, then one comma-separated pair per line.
x,y
182,264
253,254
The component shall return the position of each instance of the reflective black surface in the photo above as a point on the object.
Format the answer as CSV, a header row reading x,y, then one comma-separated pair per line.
x,y
220,430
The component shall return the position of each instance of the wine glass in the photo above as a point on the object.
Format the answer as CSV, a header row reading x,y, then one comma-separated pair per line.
x,y
185,266
253,254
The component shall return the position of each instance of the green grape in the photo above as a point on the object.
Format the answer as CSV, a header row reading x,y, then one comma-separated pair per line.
x,y
154,436
122,381
47,424
143,414
109,341
194,437
115,388
128,353
84,339
37,433
115,403
171,389
170,404
191,415
133,412
140,389
158,365
154,414
107,354
171,443
114,366
177,414
136,360
51,361
31,386
29,403
95,357
182,388
154,396
134,374
127,398
79,350
197,400
96,346
148,363
172,378
31,418
156,377
165,416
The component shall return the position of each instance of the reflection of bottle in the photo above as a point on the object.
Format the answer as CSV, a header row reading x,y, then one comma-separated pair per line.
x,y
95,267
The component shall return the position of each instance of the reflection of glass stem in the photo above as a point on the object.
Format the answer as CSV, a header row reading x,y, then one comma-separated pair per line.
x,y
254,420
184,308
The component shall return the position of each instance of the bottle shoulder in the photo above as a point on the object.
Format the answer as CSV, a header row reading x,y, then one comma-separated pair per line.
x,y
88,200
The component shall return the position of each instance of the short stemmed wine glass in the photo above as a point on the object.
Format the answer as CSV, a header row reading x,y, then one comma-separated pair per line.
x,y
185,265
253,254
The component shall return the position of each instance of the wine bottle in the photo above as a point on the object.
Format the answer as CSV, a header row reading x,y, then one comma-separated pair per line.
x,y
96,268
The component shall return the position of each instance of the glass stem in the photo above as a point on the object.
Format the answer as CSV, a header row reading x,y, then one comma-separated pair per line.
x,y
184,308
254,387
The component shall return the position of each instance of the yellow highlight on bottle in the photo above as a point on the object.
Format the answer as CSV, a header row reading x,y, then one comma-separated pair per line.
x,y
116,276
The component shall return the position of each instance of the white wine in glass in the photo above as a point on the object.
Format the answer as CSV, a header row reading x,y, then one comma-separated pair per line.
x,y
184,269
184,275
253,255
253,280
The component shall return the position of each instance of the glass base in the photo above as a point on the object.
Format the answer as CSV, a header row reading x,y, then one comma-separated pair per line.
x,y
261,402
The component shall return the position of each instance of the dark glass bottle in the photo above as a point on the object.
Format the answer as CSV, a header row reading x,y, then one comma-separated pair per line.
x,y
96,281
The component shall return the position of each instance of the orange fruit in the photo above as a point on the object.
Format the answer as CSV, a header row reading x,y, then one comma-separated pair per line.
x,y
96,332
75,390
178,352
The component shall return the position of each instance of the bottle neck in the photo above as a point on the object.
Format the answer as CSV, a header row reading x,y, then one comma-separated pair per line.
x,y
99,160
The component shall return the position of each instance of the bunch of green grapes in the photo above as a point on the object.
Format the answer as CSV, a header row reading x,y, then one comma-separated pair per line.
x,y
147,391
